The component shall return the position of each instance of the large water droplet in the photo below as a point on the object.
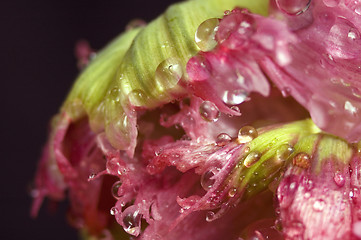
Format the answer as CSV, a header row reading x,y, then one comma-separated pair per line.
x,y
302,160
223,139
247,134
339,179
205,34
294,7
234,97
209,111
319,205
168,73
131,220
343,40
115,189
331,3
207,178
137,97
251,159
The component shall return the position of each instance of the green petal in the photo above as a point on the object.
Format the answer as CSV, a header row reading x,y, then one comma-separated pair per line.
x,y
270,152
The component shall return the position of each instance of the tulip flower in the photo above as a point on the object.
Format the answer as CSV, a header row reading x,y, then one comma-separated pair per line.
x,y
230,119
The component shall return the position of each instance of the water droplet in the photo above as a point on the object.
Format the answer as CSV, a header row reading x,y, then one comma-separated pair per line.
x,y
114,94
350,108
339,179
302,160
207,179
114,211
247,134
234,97
283,152
294,7
137,97
331,3
115,189
343,39
251,159
91,176
210,216
236,109
209,111
232,192
131,220
168,74
286,92
223,139
205,34
319,205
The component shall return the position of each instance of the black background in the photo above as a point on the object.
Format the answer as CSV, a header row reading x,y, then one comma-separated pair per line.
x,y
37,68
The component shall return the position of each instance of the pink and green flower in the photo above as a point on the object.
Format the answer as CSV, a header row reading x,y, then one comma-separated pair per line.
x,y
230,119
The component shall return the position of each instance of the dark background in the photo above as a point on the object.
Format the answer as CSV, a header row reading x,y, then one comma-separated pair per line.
x,y
37,68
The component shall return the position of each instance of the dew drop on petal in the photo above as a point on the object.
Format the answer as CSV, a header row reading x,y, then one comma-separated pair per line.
x,y
232,192
236,109
115,189
283,152
246,134
294,7
205,34
131,221
343,39
168,73
331,3
319,205
251,159
137,97
234,97
210,216
207,179
209,111
302,160
223,139
91,176
339,179
286,91
114,211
